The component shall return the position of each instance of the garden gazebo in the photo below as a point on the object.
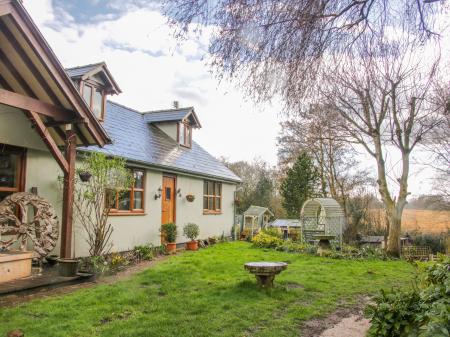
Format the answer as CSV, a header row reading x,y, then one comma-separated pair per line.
x,y
256,217
322,216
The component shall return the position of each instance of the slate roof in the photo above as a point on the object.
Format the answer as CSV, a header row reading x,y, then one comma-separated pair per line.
x,y
136,140
82,70
257,211
166,115
285,223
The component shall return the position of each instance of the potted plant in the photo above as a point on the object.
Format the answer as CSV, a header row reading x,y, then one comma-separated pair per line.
x,y
191,231
85,176
68,267
169,230
190,197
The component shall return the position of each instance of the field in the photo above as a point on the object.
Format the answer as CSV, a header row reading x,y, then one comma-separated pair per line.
x,y
425,221
417,220
208,293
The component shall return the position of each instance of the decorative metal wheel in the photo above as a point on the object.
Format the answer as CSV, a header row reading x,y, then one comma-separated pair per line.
x,y
40,227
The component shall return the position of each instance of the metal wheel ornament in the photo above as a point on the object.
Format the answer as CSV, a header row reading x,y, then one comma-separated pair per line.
x,y
41,229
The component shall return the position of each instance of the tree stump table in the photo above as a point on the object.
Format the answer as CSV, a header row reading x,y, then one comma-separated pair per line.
x,y
265,271
324,243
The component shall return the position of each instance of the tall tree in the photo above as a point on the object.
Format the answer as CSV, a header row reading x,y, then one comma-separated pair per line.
x,y
300,184
384,92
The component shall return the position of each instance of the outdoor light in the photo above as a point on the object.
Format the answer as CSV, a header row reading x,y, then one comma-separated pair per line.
x,y
179,192
158,193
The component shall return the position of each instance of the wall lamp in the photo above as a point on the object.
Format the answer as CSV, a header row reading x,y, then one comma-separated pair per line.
x,y
158,193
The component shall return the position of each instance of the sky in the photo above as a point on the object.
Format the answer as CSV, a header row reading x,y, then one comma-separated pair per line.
x,y
153,69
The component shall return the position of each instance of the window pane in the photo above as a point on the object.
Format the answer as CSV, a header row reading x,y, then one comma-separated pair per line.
x,y
205,188
168,193
181,133
210,188
211,203
205,202
138,179
188,135
8,170
218,204
87,92
97,103
138,204
3,195
124,201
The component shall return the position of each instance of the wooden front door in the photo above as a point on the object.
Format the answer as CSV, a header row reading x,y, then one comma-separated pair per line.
x,y
168,200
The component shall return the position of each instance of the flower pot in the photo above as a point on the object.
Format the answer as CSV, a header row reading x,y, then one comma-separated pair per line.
x,y
85,176
192,245
190,197
171,247
68,267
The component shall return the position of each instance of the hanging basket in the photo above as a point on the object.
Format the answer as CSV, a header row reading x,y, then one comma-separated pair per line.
x,y
84,176
190,197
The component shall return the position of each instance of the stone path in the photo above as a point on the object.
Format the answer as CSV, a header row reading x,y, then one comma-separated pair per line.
x,y
353,326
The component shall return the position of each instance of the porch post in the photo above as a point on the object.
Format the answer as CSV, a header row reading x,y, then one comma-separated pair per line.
x,y
67,209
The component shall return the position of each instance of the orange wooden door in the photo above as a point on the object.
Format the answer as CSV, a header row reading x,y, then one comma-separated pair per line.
x,y
168,200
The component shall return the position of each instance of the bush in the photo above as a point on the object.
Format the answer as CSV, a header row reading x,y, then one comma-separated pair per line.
x,y
191,231
435,242
423,311
170,232
144,252
294,234
273,231
118,261
264,240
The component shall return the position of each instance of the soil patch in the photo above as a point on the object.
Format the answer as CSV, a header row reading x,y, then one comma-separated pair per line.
x,y
345,321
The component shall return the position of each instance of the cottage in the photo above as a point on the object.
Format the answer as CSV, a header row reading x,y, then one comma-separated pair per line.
x,y
49,115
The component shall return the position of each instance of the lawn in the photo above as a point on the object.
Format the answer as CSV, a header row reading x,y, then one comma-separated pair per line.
x,y
208,293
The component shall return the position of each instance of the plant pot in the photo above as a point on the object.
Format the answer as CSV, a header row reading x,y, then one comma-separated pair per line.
x,y
68,267
171,247
192,245
85,176
52,260
190,197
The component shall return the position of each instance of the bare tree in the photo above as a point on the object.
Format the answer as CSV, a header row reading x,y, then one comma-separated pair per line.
x,y
315,132
384,93
277,47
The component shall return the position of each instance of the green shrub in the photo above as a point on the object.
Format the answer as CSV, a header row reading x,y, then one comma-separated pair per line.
x,y
294,234
435,242
273,231
144,252
264,240
296,247
191,231
423,311
170,232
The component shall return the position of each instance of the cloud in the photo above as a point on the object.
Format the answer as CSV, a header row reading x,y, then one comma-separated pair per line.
x,y
153,69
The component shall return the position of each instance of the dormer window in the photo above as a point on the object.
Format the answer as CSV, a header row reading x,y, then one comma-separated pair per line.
x,y
95,99
185,134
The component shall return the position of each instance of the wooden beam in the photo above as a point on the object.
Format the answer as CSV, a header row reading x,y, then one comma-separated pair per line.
x,y
48,140
68,195
5,8
31,66
81,135
28,103
23,84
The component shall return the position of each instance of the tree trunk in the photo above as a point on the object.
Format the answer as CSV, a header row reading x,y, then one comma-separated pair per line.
x,y
395,219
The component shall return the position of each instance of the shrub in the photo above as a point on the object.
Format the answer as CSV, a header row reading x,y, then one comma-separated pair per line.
x,y
423,311
144,252
296,247
294,234
264,240
118,261
95,264
191,231
435,242
170,232
273,231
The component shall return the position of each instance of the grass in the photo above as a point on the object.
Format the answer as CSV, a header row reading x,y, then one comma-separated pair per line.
x,y
208,293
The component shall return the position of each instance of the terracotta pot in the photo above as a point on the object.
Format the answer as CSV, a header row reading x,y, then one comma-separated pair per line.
x,y
171,247
192,245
